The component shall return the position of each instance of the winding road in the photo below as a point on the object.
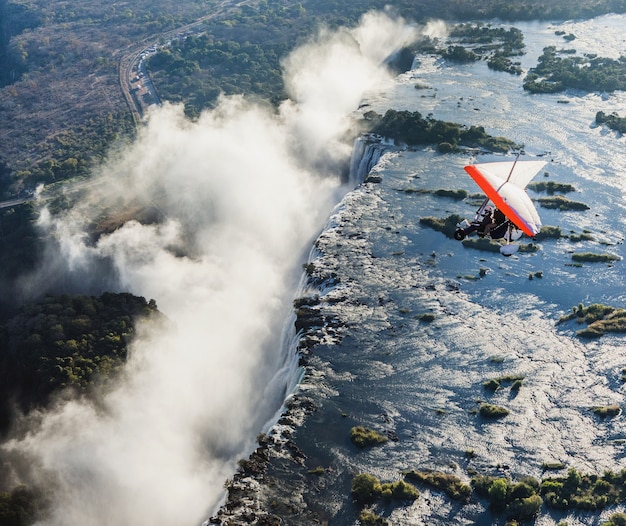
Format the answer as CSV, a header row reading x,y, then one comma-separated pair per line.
x,y
133,55
129,67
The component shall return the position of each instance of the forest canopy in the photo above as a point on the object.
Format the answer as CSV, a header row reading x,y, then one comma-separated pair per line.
x,y
412,129
66,342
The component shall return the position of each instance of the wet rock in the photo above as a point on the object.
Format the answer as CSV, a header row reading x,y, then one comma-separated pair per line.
x,y
307,318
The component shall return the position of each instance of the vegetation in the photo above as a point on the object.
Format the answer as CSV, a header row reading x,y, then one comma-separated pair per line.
x,y
547,466
20,248
494,384
22,17
550,187
412,129
500,62
21,507
606,411
497,45
613,121
367,488
529,248
617,519
451,485
590,73
584,492
369,518
599,318
492,411
195,70
590,257
364,437
517,501
520,501
460,55
453,194
446,226
66,342
61,105
583,236
555,232
561,203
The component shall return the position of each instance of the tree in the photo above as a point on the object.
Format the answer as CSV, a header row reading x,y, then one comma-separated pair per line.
x,y
498,493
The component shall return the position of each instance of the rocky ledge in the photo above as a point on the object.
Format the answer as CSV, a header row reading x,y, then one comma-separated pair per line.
x,y
254,496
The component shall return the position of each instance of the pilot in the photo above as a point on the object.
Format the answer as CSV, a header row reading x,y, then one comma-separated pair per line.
x,y
498,226
485,221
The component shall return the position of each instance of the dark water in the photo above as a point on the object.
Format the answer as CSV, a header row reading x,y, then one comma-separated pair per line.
x,y
381,365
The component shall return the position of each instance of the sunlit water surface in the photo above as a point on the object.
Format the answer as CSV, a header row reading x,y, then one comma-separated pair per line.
x,y
420,381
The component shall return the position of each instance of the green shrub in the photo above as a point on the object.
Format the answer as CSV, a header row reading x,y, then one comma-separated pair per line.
x,y
446,226
20,506
552,466
369,518
400,490
363,437
590,257
600,319
551,486
523,489
551,187
617,519
492,411
524,509
451,485
454,194
427,317
366,488
482,483
492,385
498,492
587,492
606,411
561,203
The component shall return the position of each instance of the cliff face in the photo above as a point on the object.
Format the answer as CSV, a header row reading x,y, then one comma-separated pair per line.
x,y
270,486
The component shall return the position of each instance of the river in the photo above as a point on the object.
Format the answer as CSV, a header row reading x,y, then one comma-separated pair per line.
x,y
381,364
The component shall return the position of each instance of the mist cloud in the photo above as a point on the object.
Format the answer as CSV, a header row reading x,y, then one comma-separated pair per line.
x,y
241,193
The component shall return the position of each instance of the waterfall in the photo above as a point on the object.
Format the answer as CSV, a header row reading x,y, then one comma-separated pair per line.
x,y
366,152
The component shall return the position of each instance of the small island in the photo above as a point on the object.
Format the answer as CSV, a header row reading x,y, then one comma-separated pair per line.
x,y
412,129
599,319
613,121
554,73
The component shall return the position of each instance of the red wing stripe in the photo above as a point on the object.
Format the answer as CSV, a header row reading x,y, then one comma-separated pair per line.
x,y
497,200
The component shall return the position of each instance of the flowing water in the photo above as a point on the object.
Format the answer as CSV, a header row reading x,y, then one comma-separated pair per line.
x,y
388,369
